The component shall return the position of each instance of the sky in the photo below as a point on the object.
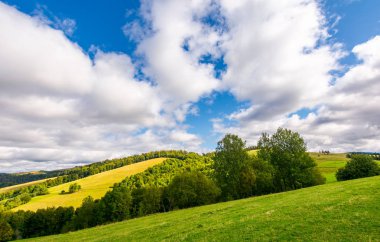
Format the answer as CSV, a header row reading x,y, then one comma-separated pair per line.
x,y
93,80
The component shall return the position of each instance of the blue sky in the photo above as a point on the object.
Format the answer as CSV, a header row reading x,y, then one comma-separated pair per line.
x,y
131,76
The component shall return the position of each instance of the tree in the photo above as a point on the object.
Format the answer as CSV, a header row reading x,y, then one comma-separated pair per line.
x,y
6,231
264,172
147,200
286,151
359,166
85,215
115,205
230,160
191,189
74,187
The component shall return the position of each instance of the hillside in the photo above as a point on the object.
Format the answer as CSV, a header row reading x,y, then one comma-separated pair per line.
x,y
340,211
15,187
95,186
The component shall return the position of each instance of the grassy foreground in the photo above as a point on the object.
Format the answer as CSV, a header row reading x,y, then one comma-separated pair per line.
x,y
340,211
95,186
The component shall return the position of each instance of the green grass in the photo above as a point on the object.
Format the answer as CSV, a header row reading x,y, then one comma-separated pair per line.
x,y
340,211
329,164
95,186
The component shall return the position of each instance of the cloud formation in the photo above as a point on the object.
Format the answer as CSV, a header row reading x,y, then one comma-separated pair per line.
x,y
59,106
347,115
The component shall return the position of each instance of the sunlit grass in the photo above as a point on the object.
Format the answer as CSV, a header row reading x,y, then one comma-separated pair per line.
x,y
95,186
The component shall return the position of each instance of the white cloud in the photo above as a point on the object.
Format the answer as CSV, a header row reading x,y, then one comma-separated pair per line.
x,y
348,116
60,108
181,78
276,55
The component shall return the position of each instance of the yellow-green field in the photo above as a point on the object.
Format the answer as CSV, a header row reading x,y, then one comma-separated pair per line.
x,y
7,189
95,186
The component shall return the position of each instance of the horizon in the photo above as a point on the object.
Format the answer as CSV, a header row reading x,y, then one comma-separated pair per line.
x,y
82,83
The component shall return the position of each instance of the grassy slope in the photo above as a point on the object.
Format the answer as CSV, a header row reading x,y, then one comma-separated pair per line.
x,y
10,188
95,186
329,164
340,211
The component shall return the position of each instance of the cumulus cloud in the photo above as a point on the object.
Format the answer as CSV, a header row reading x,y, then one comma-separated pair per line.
x,y
59,107
180,75
276,55
347,117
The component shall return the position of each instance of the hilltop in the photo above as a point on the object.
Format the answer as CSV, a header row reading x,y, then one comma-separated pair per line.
x,y
340,211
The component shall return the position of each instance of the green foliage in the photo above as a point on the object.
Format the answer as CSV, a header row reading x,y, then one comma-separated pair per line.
x,y
230,167
191,189
147,200
6,231
286,151
161,175
264,173
86,215
47,221
75,187
116,204
359,166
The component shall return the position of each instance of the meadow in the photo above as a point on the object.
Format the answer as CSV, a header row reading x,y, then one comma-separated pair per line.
x,y
95,186
340,211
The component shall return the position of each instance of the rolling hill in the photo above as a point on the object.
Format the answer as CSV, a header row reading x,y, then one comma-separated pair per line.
x,y
95,186
340,211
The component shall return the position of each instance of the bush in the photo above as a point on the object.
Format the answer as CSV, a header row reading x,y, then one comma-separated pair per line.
x,y
191,189
6,231
74,187
359,166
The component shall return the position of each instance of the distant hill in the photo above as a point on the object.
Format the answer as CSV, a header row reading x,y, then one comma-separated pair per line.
x,y
10,179
340,211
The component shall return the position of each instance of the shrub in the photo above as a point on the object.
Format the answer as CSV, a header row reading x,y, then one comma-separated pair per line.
x,y
6,231
191,189
359,166
74,187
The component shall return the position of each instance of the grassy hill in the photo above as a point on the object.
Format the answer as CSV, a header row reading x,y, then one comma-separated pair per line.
x,y
95,186
329,164
340,211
